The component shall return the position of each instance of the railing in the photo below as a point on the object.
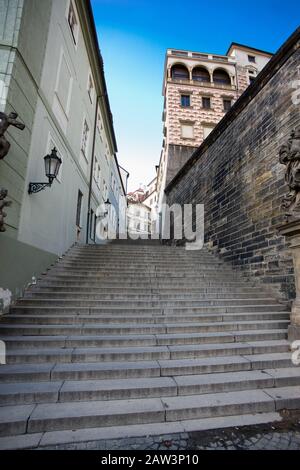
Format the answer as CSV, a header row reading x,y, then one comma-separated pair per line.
x,y
200,55
203,84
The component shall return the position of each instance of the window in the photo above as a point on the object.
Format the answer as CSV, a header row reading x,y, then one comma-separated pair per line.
x,y
64,81
206,103
91,225
85,138
221,77
251,79
207,130
180,72
90,88
99,122
187,131
97,172
185,101
200,74
95,226
78,209
105,190
251,58
73,22
226,105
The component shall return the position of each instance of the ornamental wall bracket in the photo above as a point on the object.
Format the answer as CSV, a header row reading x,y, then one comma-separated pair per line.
x,y
289,155
3,203
5,122
37,187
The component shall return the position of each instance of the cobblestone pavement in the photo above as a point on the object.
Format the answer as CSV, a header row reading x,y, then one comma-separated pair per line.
x,y
284,435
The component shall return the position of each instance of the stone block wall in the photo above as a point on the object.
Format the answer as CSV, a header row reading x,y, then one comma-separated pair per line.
x,y
236,174
195,114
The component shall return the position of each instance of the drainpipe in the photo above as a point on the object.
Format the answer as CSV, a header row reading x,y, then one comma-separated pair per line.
x,y
91,173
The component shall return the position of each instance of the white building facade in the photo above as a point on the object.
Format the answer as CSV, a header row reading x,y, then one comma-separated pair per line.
x,y
53,77
139,219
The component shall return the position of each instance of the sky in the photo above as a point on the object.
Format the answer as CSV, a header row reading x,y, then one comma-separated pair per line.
x,y
133,38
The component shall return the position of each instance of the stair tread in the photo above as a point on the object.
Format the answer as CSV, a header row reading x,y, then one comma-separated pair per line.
x,y
76,410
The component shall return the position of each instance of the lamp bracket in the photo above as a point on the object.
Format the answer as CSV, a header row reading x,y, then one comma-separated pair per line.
x,y
37,187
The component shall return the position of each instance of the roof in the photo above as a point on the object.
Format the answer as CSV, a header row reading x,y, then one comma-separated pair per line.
x,y
93,31
244,46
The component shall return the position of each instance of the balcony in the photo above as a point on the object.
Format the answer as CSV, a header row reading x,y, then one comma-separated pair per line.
x,y
200,56
217,85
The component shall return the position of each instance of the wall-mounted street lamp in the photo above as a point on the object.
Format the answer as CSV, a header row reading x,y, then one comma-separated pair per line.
x,y
52,166
107,205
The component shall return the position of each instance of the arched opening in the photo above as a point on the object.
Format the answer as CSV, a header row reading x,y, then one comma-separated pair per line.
x,y
221,77
180,72
200,74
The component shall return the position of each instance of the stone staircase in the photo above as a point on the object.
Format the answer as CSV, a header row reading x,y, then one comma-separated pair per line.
x,y
132,340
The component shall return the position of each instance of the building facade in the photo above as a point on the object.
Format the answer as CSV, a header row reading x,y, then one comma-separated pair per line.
x,y
54,80
198,90
139,219
151,201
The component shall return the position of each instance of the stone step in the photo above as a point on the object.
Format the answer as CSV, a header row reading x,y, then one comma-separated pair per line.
x,y
72,355
66,416
140,259
165,250
165,287
55,319
147,296
88,341
59,270
156,328
133,290
156,303
149,265
124,389
40,310
154,368
89,438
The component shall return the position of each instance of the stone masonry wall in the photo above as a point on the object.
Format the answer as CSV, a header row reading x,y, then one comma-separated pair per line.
x,y
195,113
237,175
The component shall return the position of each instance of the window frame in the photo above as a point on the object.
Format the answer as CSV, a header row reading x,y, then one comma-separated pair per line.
x,y
206,126
74,35
227,100
191,125
84,149
79,209
91,87
251,59
92,213
184,96
206,99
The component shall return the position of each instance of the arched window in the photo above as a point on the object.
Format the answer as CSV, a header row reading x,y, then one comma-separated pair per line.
x,y
179,72
200,74
221,77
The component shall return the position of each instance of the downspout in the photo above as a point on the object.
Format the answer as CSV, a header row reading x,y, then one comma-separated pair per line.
x,y
91,173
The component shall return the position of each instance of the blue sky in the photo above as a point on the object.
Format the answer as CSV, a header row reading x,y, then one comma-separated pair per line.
x,y
133,38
